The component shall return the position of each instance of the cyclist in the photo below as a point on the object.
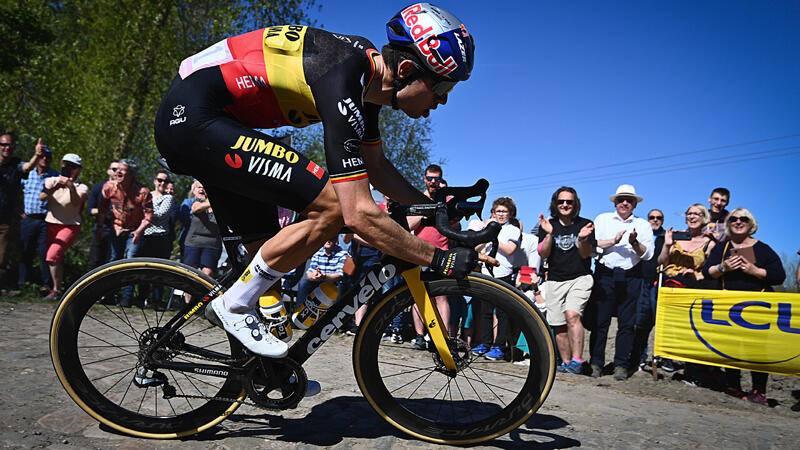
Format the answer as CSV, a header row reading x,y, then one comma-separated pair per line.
x,y
297,76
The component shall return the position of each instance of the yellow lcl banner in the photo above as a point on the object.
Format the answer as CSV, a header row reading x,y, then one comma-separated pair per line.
x,y
744,330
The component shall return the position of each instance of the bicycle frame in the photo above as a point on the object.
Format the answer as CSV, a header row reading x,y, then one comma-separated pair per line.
x,y
370,284
361,292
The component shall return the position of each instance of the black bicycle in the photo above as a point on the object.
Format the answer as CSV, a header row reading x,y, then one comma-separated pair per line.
x,y
167,374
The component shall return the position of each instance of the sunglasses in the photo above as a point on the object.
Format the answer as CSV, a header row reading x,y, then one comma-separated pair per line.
x,y
433,178
630,200
6,144
162,180
655,217
443,87
743,219
564,200
113,169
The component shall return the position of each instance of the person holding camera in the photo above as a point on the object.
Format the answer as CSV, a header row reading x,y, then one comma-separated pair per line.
x,y
685,252
683,255
65,197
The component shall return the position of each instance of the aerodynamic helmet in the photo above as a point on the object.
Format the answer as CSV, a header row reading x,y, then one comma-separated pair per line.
x,y
437,37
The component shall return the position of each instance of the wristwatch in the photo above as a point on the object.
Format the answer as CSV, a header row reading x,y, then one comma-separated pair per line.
x,y
721,268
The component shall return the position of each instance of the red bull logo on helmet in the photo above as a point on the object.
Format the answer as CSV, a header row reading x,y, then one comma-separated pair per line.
x,y
426,41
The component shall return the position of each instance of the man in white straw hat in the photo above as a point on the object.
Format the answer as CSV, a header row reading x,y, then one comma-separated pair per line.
x,y
625,241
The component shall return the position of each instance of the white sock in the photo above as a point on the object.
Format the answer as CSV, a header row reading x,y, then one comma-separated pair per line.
x,y
256,279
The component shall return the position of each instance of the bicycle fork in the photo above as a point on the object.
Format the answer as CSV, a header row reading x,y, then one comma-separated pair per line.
x,y
430,315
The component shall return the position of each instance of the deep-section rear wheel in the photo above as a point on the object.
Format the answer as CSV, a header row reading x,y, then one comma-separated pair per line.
x,y
486,398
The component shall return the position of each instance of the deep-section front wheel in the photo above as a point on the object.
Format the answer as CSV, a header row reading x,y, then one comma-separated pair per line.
x,y
97,349
485,398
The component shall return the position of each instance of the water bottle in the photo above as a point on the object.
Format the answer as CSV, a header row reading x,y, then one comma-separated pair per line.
x,y
275,317
315,305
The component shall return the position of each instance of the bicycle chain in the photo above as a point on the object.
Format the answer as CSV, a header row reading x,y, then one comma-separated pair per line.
x,y
214,398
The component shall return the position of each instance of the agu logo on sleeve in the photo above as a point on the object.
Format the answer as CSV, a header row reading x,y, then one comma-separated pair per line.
x,y
747,330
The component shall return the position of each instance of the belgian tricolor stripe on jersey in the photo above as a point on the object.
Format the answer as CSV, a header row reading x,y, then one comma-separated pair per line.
x,y
348,177
283,56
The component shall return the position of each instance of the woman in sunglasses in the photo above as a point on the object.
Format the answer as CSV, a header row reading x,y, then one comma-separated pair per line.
x,y
157,238
683,259
744,263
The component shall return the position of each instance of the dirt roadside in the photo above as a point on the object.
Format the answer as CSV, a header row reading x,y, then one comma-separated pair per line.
x,y
581,411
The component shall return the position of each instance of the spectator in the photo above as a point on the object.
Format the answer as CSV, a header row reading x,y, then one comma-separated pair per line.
x,y
157,239
65,197
683,264
132,207
184,216
170,189
285,216
740,273
683,259
618,278
433,182
326,265
646,311
33,228
566,241
12,170
100,248
493,337
203,244
719,199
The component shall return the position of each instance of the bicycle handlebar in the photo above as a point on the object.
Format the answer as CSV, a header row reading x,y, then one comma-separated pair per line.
x,y
451,203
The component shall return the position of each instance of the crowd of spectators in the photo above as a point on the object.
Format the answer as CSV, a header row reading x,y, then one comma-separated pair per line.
x,y
580,273
45,207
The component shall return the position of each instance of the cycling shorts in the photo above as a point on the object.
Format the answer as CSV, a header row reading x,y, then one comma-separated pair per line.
x,y
245,172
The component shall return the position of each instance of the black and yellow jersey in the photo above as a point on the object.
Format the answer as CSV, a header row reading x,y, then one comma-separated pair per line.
x,y
293,75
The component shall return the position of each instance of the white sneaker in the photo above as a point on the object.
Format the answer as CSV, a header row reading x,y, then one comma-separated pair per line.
x,y
248,329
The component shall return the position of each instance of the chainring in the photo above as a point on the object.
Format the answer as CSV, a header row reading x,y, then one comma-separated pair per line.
x,y
276,383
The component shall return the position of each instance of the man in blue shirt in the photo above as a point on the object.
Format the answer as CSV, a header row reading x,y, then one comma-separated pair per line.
x,y
33,229
326,265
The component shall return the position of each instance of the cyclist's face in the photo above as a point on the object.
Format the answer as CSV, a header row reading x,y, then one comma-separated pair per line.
x,y
418,98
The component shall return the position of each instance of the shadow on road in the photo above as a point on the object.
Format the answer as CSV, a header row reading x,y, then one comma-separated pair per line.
x,y
335,420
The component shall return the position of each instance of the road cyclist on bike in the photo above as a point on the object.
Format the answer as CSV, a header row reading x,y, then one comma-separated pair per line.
x,y
296,76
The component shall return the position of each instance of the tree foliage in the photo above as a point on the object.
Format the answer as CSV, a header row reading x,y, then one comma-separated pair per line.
x,y
88,75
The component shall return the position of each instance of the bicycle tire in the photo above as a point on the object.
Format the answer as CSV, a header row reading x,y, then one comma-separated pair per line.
x,y
433,411
94,358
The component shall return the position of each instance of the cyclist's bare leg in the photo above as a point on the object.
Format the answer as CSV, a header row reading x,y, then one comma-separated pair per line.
x,y
290,247
297,242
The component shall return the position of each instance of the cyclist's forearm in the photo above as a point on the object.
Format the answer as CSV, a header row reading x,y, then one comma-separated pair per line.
x,y
387,236
388,180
